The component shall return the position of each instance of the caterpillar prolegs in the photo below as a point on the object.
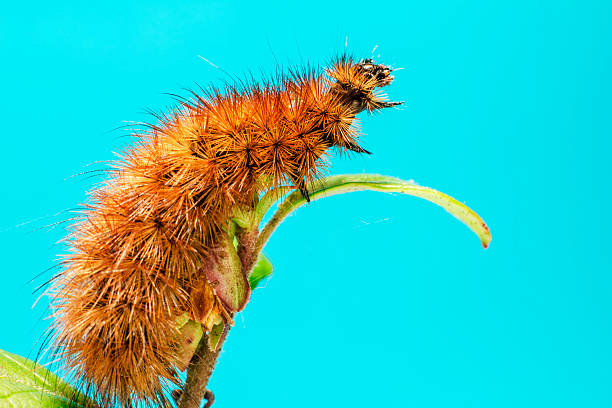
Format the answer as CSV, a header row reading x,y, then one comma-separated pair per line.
x,y
141,251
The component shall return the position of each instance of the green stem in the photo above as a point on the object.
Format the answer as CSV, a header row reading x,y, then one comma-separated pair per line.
x,y
290,204
359,182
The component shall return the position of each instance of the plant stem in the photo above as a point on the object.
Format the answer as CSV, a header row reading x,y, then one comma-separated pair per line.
x,y
290,203
199,371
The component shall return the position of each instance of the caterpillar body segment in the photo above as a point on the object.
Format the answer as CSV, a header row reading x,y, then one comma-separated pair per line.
x,y
140,253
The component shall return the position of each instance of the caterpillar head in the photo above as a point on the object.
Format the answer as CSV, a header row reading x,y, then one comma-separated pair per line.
x,y
372,75
357,83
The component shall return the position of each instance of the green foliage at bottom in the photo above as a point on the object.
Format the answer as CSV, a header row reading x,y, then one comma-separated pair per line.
x,y
25,384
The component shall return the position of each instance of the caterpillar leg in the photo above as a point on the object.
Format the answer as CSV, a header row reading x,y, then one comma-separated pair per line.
x,y
358,149
388,104
300,184
304,192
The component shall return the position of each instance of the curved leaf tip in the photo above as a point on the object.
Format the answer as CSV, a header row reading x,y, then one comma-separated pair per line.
x,y
359,182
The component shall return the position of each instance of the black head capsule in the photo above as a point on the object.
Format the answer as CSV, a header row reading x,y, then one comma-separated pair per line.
x,y
357,83
379,74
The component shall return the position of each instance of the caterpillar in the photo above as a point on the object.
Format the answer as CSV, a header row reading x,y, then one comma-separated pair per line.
x,y
139,252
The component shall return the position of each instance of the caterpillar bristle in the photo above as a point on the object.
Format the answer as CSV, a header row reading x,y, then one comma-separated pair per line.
x,y
138,252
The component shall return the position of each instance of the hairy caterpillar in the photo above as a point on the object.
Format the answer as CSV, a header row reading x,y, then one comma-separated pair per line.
x,y
142,251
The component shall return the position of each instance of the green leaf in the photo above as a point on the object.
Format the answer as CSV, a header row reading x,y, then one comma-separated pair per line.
x,y
215,334
25,384
262,269
359,182
191,334
226,275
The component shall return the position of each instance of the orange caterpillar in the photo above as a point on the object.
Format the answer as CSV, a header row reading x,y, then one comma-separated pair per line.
x,y
138,254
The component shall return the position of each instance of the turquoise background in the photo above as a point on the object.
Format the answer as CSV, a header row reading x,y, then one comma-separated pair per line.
x,y
375,299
